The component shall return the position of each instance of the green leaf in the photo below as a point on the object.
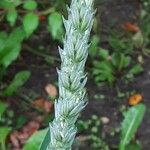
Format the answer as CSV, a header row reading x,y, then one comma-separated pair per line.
x,y
136,69
11,47
35,140
3,107
4,131
6,4
10,55
116,43
135,146
30,23
94,46
9,4
17,2
55,25
3,38
104,71
116,59
46,141
132,121
103,53
30,5
12,16
16,36
120,61
18,81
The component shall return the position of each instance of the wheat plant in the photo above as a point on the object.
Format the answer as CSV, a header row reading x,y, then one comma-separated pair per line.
x,y
71,76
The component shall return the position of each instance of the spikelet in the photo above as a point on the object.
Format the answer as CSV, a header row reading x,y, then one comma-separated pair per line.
x,y
71,77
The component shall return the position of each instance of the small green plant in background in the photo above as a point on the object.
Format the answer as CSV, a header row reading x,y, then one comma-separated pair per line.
x,y
18,81
92,127
4,131
10,47
103,70
55,26
121,43
29,14
145,24
94,47
133,119
145,27
23,18
112,64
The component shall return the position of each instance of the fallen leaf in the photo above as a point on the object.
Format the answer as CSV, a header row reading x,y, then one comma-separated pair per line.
x,y
105,120
18,138
43,104
48,106
42,18
135,99
14,140
51,90
39,119
39,102
31,127
130,27
82,138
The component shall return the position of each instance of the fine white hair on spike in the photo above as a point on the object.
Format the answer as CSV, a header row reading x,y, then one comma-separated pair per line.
x,y
71,77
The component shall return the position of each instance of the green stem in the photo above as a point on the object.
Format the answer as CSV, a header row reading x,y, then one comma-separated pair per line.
x,y
48,11
121,62
3,146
